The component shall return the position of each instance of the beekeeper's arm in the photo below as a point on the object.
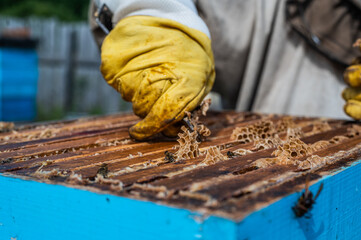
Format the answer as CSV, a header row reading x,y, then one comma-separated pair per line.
x,y
158,56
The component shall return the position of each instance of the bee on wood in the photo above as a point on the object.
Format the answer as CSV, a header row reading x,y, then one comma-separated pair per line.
x,y
103,170
231,154
8,160
169,157
306,201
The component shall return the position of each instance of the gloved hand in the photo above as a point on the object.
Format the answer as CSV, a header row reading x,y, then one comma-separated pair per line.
x,y
163,67
352,94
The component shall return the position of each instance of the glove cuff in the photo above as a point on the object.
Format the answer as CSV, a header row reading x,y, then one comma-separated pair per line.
x,y
181,11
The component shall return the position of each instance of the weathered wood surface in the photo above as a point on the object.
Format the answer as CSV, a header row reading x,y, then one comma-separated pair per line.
x,y
73,152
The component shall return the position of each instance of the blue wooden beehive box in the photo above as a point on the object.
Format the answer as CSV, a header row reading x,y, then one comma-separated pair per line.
x,y
18,79
86,179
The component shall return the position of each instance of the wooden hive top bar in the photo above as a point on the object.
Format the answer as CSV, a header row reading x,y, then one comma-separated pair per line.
x,y
231,179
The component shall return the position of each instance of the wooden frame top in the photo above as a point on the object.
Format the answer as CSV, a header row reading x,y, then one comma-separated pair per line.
x,y
97,154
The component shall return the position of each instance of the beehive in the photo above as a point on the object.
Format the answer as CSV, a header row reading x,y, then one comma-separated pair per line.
x,y
241,184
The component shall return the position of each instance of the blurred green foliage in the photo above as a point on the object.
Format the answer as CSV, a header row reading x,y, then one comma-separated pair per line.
x,y
65,10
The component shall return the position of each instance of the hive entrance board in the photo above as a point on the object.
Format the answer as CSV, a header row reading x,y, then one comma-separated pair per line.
x,y
239,174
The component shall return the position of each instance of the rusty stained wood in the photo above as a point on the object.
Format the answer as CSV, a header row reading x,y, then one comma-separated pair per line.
x,y
72,152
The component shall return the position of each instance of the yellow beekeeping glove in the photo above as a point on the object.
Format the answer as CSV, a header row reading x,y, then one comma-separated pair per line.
x,y
352,75
163,67
352,94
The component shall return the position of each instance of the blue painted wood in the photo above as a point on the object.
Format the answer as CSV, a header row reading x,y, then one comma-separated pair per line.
x,y
1,80
19,76
19,109
336,214
33,210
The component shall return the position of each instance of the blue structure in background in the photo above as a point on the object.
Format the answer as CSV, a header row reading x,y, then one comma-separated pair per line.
x,y
18,80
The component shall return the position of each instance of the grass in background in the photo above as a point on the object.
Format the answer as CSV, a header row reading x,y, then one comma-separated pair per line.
x,y
65,10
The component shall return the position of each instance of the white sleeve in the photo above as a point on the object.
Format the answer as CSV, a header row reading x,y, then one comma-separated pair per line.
x,y
182,11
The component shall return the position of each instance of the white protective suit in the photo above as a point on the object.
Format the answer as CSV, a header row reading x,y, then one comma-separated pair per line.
x,y
261,64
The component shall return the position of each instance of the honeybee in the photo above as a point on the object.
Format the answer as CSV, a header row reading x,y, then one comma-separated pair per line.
x,y
169,157
306,201
103,170
231,154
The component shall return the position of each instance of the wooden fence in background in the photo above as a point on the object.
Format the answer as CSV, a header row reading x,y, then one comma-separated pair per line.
x,y
69,78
